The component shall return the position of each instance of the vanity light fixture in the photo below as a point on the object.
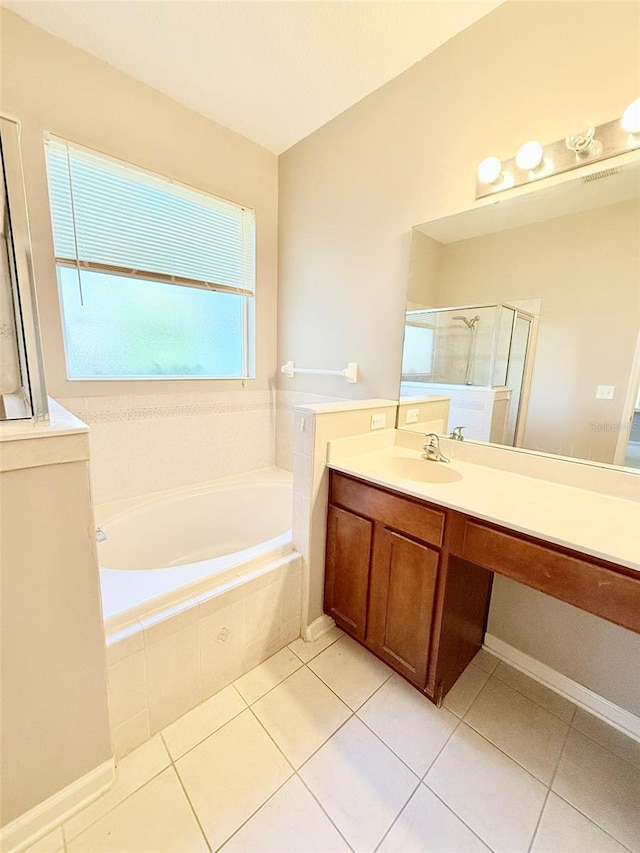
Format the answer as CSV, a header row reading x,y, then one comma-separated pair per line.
x,y
489,170
631,118
535,160
530,155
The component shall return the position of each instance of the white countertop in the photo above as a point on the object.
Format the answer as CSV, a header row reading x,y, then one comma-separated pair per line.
x,y
586,521
59,422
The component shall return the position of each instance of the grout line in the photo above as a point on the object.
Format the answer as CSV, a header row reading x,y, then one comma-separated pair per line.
x,y
305,662
510,757
456,815
606,748
397,817
191,806
254,813
324,811
592,821
535,702
546,799
271,689
206,737
124,799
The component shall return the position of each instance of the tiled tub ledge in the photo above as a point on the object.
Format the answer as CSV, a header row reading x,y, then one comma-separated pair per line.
x,y
163,665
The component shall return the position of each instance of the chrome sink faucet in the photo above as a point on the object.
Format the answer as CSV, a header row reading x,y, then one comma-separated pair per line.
x,y
432,450
456,433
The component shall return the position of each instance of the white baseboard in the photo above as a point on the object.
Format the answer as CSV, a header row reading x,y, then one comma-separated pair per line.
x,y
317,628
38,821
624,721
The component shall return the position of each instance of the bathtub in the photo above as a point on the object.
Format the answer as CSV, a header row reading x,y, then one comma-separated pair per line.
x,y
167,547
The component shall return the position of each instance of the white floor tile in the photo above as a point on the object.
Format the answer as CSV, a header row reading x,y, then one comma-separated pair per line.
x,y
464,691
350,671
602,786
263,678
526,732
156,817
538,693
52,842
231,774
426,825
132,772
564,830
485,660
290,822
408,723
492,794
306,651
203,721
300,714
360,783
607,736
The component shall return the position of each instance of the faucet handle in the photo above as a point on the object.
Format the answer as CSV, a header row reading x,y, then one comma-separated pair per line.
x,y
433,440
456,433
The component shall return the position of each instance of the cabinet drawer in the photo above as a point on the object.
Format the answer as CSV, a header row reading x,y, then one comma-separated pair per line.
x,y
588,585
402,514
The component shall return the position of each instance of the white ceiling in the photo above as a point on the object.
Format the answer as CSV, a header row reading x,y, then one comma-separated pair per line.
x,y
273,71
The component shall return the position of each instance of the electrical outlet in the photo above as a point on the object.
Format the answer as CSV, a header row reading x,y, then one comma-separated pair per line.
x,y
378,421
412,416
605,392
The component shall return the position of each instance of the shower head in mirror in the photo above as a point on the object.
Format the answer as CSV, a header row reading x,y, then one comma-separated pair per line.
x,y
470,324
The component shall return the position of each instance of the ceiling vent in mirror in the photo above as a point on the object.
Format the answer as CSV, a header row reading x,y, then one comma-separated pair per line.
x,y
605,173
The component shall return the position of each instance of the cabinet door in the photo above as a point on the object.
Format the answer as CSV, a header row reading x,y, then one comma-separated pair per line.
x,y
347,570
403,586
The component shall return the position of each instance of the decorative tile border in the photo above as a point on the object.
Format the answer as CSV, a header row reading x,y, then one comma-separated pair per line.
x,y
110,415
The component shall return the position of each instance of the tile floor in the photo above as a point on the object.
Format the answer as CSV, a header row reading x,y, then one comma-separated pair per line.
x,y
323,748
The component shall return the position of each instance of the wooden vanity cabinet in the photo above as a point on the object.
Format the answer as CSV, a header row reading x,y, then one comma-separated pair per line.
x,y
391,584
412,581
402,592
349,539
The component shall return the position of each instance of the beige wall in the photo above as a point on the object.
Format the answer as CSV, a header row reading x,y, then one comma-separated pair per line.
x,y
424,266
350,193
584,267
54,712
48,85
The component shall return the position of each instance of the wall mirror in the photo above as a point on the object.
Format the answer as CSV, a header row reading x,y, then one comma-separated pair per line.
x,y
522,321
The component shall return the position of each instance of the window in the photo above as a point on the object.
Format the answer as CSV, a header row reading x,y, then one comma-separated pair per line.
x,y
156,280
417,355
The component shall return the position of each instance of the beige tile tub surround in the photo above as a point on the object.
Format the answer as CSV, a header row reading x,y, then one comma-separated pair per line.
x,y
55,717
164,665
286,401
313,426
147,443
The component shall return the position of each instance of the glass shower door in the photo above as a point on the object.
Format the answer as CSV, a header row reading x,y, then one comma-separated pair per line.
x,y
515,373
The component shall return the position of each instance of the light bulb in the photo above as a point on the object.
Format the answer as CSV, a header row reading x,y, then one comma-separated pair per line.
x,y
489,170
530,155
631,117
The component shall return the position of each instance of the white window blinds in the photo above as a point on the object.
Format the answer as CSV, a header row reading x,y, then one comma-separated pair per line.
x,y
111,217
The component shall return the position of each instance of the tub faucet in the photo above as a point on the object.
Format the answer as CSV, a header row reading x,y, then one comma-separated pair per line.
x,y
432,450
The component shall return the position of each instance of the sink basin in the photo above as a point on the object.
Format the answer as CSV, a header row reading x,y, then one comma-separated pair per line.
x,y
417,469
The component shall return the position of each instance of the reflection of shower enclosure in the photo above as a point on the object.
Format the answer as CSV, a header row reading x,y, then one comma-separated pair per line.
x,y
477,355
471,325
